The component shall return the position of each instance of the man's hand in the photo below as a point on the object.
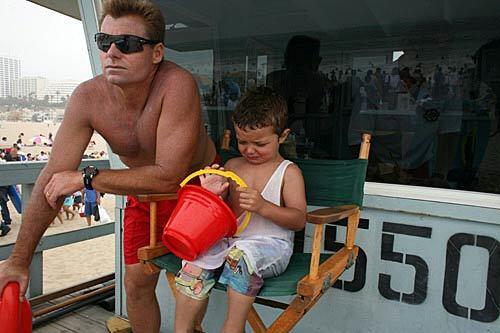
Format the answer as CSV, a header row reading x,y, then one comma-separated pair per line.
x,y
214,183
61,184
251,200
10,271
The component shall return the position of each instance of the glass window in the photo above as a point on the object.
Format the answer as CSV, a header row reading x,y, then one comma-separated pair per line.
x,y
422,77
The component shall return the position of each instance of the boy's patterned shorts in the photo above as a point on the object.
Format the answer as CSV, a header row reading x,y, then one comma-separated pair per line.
x,y
237,273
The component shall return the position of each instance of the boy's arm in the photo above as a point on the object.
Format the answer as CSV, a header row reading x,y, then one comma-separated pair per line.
x,y
216,184
293,213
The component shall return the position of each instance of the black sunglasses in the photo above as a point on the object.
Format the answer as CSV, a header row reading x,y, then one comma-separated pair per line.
x,y
125,43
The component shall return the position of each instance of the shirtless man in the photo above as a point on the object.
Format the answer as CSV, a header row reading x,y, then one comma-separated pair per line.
x,y
148,110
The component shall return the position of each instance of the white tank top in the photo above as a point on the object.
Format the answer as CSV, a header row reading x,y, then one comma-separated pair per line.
x,y
272,192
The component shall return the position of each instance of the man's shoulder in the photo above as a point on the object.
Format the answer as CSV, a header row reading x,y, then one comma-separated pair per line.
x,y
174,75
89,88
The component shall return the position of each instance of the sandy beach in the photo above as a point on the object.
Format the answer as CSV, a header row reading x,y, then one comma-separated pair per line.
x,y
71,264
11,131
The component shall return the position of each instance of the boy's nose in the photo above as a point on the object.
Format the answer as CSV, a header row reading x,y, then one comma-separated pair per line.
x,y
250,150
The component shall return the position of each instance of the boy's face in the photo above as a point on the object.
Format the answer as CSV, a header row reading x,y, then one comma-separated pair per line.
x,y
259,145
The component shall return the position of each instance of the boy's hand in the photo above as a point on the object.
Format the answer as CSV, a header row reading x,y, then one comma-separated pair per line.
x,y
214,183
250,199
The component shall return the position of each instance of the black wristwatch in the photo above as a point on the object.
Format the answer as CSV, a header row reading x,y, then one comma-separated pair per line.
x,y
89,172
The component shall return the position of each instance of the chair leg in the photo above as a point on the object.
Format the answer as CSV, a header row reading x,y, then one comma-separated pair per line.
x,y
316,251
255,322
171,283
292,315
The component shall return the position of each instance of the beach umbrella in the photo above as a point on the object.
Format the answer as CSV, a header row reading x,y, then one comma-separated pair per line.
x,y
40,140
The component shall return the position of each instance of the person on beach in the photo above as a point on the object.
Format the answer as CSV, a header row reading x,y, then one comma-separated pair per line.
x,y
276,198
148,110
67,207
59,217
77,200
92,200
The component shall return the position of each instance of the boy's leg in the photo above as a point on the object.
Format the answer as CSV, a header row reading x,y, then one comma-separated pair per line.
x,y
188,312
243,285
193,286
238,308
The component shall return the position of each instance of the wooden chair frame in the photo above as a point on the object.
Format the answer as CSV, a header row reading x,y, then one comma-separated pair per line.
x,y
311,287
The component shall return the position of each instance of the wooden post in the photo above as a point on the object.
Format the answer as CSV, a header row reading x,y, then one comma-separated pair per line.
x,y
352,227
364,150
226,140
152,227
255,321
316,249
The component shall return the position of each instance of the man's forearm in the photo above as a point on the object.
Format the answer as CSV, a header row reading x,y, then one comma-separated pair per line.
x,y
36,218
139,180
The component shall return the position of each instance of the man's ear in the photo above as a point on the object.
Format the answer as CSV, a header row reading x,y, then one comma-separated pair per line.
x,y
283,135
158,53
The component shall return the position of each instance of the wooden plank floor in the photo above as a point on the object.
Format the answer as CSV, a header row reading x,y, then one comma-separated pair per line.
x,y
89,319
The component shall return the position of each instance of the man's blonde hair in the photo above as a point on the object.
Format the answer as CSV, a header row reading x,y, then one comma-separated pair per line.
x,y
149,12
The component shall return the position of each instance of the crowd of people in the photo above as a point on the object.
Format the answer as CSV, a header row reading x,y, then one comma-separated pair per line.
x,y
19,151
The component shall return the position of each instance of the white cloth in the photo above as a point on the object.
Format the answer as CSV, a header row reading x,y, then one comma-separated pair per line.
x,y
265,243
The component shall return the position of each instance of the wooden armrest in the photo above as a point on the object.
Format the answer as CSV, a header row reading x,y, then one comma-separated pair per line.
x,y
146,253
331,214
156,197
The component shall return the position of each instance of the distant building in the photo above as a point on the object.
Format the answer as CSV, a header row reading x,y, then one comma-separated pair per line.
x,y
10,70
61,90
30,86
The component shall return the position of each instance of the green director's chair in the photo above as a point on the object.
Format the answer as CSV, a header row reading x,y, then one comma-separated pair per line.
x,y
336,184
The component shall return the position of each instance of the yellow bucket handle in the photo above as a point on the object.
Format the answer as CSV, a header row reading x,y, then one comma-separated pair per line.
x,y
227,174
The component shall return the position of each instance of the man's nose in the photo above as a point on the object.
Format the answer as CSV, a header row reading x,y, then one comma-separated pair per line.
x,y
113,51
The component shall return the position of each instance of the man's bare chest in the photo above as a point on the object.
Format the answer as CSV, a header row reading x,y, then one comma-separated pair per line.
x,y
128,135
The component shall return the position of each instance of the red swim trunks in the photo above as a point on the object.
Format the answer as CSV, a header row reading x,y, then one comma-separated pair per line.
x,y
136,224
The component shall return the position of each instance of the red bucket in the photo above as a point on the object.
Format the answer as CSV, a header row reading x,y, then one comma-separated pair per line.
x,y
200,219
15,317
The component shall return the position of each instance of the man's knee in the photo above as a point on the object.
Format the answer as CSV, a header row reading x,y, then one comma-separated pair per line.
x,y
138,284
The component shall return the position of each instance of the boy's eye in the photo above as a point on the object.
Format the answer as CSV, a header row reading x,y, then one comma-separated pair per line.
x,y
261,144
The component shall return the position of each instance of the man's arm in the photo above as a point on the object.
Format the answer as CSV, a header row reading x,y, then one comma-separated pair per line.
x,y
72,138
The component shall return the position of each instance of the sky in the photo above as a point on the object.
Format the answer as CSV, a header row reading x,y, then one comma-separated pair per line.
x,y
48,44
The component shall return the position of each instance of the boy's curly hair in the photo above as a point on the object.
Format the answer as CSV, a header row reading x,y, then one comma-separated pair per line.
x,y
259,108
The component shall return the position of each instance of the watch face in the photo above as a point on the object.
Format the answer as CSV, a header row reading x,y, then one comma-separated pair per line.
x,y
90,170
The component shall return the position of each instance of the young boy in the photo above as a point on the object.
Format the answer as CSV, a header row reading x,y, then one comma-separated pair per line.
x,y
276,198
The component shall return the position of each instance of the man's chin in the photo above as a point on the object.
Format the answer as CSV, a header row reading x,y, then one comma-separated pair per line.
x,y
116,80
